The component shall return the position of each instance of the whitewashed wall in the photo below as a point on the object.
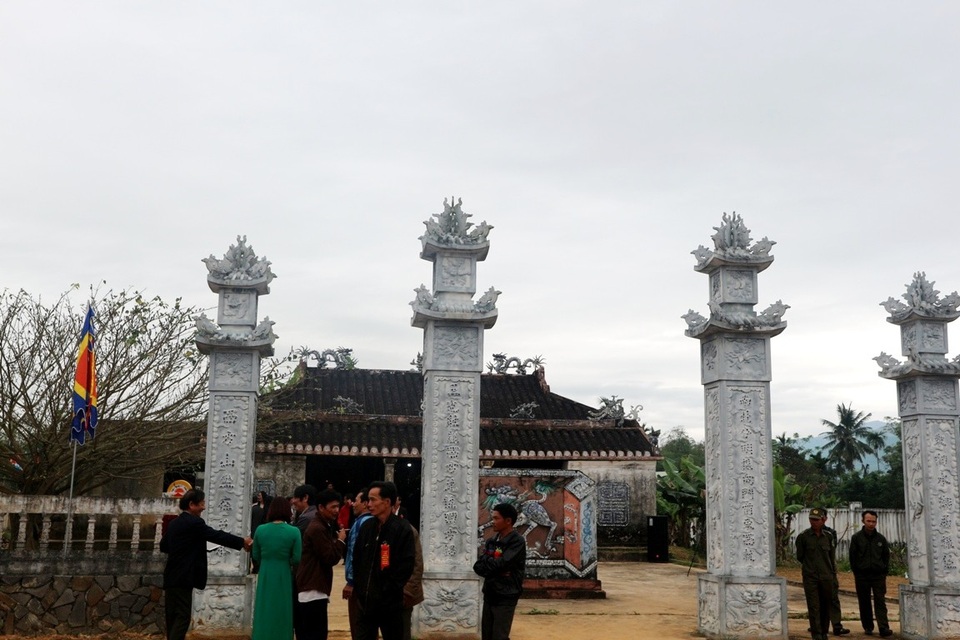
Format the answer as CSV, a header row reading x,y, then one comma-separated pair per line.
x,y
891,523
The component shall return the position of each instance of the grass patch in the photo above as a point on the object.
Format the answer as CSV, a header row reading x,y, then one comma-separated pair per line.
x,y
686,556
542,612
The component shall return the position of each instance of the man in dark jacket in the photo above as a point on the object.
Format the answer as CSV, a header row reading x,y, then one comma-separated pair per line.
x,y
185,544
323,547
816,551
305,504
502,567
383,560
870,562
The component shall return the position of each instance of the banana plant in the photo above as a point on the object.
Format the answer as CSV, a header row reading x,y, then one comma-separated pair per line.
x,y
787,502
681,496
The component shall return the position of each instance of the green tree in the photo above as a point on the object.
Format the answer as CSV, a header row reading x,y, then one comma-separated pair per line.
x,y
797,461
676,444
681,497
849,440
788,500
152,390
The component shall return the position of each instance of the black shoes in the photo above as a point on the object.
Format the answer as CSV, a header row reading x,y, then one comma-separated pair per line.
x,y
840,631
886,633
869,632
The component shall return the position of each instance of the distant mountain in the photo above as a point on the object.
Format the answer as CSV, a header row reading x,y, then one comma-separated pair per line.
x,y
816,443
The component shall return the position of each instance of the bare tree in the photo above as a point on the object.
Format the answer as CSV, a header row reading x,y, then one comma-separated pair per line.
x,y
152,390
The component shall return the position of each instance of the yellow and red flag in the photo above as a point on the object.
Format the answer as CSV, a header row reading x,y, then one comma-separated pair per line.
x,y
85,384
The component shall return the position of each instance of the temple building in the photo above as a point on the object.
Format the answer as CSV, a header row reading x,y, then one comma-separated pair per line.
x,y
347,427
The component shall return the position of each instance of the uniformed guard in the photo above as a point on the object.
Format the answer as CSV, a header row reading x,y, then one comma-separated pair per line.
x,y
835,614
816,551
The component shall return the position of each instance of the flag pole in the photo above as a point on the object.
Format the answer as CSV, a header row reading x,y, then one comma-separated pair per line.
x,y
68,534
86,419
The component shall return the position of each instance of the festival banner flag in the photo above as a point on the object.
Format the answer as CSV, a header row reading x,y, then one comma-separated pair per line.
x,y
85,384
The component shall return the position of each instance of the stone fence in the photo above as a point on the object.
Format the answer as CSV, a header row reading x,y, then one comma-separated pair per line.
x,y
103,573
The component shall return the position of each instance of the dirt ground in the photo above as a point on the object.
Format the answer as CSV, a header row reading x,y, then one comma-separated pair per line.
x,y
644,602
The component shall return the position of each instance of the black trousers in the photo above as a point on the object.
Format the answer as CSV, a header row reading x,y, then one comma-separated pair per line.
x,y
311,619
871,591
179,608
388,620
496,620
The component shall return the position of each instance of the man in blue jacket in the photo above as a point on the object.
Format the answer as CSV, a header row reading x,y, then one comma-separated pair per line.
x,y
362,515
502,567
185,544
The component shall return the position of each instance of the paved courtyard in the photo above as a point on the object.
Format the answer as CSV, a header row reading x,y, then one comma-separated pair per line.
x,y
655,601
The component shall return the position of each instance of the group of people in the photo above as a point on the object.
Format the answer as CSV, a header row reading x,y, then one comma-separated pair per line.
x,y
300,540
869,561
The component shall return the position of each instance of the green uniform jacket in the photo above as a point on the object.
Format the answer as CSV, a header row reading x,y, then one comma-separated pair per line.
x,y
817,554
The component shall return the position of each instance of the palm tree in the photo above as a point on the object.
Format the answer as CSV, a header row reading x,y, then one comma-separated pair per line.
x,y
850,439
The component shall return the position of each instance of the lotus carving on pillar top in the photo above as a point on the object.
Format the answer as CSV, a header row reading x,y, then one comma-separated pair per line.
x,y
922,300
732,242
452,227
240,267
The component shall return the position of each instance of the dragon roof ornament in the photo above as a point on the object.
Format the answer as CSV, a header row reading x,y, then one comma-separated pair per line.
x,y
732,243
452,227
923,301
240,267
502,364
890,367
210,334
427,302
739,319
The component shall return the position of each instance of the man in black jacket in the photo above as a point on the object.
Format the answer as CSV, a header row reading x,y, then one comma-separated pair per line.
x,y
870,562
185,544
502,567
383,560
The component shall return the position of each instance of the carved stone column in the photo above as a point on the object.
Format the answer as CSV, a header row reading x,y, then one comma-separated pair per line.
x,y
740,596
235,345
927,401
452,362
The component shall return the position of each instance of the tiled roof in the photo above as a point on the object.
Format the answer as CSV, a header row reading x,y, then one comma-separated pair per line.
x,y
389,423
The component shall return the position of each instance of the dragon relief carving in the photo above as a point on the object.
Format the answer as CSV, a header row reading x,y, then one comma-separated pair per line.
x,y
752,609
448,608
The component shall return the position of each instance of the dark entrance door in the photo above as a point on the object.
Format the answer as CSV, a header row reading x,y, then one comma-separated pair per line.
x,y
347,474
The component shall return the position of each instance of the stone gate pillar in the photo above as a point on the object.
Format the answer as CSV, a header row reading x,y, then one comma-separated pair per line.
x,y
927,401
235,345
453,327
740,596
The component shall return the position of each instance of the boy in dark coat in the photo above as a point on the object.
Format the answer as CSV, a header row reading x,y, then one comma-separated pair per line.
x,y
502,567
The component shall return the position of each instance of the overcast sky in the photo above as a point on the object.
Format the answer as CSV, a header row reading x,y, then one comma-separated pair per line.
x,y
602,140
